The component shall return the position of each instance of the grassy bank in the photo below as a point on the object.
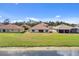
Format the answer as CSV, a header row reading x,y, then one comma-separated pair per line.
x,y
38,39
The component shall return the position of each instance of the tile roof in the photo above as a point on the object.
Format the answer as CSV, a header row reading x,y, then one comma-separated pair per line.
x,y
10,26
40,26
63,26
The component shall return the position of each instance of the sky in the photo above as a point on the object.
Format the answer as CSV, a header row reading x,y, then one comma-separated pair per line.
x,y
67,12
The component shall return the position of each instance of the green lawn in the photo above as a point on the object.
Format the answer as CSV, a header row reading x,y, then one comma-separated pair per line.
x,y
38,39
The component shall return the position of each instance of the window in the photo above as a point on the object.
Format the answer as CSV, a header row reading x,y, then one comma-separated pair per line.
x,y
4,30
46,30
33,30
40,30
11,29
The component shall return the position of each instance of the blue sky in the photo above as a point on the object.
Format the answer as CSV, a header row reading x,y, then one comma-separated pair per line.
x,y
40,11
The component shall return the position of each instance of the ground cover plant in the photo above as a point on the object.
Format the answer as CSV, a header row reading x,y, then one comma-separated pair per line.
x,y
38,39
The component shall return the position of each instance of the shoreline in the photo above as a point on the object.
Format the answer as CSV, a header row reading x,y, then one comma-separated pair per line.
x,y
37,48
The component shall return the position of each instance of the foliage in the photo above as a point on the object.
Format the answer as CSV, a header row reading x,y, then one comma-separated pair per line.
x,y
50,23
6,21
32,23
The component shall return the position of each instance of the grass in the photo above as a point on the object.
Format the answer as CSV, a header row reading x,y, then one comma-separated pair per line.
x,y
38,39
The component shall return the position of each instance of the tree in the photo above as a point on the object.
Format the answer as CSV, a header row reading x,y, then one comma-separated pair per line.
x,y
6,21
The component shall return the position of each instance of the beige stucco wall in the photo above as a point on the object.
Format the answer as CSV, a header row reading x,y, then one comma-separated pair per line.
x,y
36,30
78,30
12,30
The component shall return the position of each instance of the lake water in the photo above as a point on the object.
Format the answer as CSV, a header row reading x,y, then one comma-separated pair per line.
x,y
40,53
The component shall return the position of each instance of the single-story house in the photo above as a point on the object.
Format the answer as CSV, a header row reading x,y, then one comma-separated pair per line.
x,y
64,28
67,29
42,27
11,28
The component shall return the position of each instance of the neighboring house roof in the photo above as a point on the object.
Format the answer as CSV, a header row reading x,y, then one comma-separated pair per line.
x,y
63,26
40,26
10,26
76,27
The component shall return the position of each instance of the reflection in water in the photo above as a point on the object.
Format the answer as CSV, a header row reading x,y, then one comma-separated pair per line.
x,y
69,53
29,53
40,53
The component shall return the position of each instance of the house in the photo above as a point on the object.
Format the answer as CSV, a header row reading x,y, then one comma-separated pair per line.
x,y
64,28
11,28
42,27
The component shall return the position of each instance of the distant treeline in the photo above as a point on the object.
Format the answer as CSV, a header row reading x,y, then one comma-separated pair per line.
x,y
50,23
32,23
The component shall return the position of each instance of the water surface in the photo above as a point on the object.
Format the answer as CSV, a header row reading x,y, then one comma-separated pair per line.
x,y
40,53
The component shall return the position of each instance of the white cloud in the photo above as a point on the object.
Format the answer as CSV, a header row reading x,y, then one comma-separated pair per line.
x,y
57,16
73,20
31,18
0,16
18,20
64,19
34,19
68,19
